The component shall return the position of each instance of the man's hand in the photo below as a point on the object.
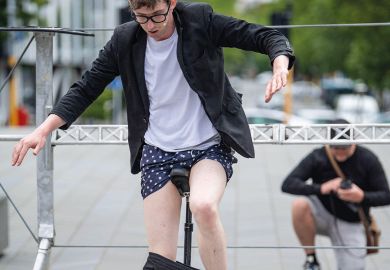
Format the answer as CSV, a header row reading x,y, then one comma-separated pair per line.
x,y
279,77
36,140
331,185
353,194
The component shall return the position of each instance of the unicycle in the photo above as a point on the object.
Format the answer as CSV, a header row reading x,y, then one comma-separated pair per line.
x,y
180,179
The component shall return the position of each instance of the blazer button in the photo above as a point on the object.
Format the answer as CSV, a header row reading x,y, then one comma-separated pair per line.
x,y
145,120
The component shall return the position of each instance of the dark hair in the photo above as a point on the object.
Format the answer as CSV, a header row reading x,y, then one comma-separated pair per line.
x,y
135,4
336,131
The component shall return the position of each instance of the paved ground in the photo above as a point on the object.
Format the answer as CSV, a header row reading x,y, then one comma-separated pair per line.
x,y
98,202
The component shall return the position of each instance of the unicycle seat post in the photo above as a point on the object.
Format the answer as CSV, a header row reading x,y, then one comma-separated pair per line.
x,y
180,178
188,229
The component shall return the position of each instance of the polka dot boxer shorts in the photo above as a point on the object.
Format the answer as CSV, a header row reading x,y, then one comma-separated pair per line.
x,y
157,164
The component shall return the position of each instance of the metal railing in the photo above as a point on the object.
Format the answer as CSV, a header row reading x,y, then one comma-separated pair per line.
x,y
44,103
261,134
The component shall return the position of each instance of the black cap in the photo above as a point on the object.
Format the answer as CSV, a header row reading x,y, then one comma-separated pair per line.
x,y
334,132
340,133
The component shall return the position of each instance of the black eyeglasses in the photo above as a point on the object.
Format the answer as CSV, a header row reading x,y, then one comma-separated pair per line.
x,y
158,18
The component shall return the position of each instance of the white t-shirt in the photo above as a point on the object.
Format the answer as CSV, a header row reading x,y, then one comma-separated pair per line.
x,y
177,120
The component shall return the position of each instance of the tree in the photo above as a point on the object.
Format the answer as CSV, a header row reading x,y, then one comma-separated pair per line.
x,y
23,15
360,52
240,62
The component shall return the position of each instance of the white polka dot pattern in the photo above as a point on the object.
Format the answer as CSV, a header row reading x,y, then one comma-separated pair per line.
x,y
156,164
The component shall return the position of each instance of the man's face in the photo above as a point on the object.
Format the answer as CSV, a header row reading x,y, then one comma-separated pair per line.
x,y
342,153
159,19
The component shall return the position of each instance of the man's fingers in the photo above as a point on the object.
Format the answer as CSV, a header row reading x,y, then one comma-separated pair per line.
x,y
279,83
39,146
284,79
22,153
34,141
15,153
273,86
268,94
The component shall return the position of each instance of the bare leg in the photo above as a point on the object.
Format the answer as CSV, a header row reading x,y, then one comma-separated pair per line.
x,y
162,216
208,182
304,224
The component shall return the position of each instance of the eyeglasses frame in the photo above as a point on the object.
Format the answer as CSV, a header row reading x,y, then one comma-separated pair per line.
x,y
151,17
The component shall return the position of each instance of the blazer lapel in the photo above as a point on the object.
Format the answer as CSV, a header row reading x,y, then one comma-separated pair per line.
x,y
139,49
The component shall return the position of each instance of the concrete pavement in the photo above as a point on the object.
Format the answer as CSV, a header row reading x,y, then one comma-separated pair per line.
x,y
98,202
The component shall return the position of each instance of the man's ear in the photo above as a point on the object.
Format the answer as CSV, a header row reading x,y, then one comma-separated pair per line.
x,y
173,4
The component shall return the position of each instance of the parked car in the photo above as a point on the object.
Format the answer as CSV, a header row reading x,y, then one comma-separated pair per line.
x,y
333,87
269,116
317,115
357,108
305,90
383,117
302,93
276,103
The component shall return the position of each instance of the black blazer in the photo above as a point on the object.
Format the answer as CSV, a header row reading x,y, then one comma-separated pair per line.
x,y
202,34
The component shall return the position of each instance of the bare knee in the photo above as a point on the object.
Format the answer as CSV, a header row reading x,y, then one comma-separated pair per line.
x,y
301,208
205,213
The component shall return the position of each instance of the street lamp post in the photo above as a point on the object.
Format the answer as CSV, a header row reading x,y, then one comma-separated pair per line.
x,y
11,17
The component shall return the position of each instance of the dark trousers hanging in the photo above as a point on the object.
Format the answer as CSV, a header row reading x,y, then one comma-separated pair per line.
x,y
158,262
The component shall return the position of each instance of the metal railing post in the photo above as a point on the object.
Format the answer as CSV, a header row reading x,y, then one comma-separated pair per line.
x,y
44,103
42,260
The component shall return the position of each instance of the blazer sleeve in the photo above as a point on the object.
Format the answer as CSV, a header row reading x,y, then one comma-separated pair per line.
x,y
92,83
225,31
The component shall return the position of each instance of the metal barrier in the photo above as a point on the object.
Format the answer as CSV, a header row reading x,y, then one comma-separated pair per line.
x,y
3,223
44,102
261,134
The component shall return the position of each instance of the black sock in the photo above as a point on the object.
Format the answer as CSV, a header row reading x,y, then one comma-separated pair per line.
x,y
311,258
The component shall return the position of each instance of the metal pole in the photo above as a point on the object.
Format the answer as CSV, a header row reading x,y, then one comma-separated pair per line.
x,y
44,103
43,257
188,228
13,97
